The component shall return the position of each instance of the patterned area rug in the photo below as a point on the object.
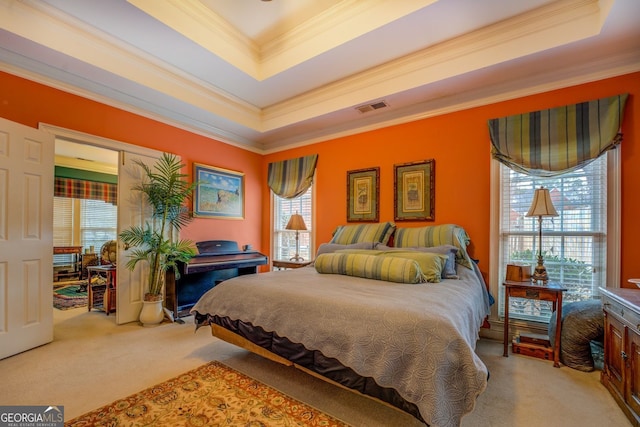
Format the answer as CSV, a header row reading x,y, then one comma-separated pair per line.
x,y
68,296
211,395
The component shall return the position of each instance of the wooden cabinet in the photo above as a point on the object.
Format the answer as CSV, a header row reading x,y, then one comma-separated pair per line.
x,y
621,373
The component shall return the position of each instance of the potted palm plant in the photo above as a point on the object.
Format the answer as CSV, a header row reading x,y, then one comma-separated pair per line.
x,y
166,191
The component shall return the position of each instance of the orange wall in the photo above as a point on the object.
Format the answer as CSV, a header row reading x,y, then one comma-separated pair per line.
x,y
459,143
30,103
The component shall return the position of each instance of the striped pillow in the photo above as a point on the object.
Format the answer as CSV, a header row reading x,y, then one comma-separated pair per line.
x,y
375,233
449,269
436,235
327,248
390,269
431,264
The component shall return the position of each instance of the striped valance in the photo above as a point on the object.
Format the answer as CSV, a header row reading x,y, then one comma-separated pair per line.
x,y
292,178
558,140
81,189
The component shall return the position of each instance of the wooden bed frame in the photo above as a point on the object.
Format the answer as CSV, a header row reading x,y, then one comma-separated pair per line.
x,y
235,339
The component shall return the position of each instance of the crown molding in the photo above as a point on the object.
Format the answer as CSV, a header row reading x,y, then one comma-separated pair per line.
x,y
534,31
35,21
337,25
614,67
166,117
203,26
544,28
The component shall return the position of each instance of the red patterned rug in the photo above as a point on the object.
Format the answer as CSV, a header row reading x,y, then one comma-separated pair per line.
x,y
211,395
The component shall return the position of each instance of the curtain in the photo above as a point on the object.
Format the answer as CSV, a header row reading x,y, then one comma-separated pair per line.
x,y
551,142
81,189
292,178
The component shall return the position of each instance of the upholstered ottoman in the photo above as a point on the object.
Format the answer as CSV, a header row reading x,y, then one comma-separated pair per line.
x,y
582,322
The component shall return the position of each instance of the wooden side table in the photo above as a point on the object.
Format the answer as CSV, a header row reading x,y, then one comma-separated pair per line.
x,y
109,298
282,264
549,292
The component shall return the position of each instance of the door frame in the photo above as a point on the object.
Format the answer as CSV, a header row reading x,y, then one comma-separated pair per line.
x,y
98,141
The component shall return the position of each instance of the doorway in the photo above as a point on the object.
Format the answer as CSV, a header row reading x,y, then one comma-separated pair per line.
x,y
85,221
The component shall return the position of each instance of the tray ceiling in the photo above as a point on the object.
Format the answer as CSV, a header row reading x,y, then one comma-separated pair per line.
x,y
267,75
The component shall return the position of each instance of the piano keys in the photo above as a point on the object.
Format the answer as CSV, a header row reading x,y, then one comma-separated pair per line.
x,y
217,260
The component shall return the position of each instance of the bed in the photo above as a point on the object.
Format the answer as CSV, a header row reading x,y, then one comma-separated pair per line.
x,y
410,345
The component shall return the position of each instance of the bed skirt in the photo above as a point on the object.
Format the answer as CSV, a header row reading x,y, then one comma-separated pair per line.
x,y
310,360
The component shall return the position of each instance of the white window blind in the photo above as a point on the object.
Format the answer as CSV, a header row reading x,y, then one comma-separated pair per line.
x,y
284,241
98,222
62,221
574,244
83,222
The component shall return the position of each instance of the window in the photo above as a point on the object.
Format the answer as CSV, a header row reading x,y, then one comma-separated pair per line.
x,y
98,222
284,241
574,244
63,221
83,222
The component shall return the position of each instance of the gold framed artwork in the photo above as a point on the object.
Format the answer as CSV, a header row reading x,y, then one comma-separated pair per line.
x,y
414,191
363,192
219,193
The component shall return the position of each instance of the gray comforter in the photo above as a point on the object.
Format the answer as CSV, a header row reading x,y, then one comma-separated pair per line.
x,y
416,339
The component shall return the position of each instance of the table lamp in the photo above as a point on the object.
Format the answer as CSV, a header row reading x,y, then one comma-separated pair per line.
x,y
296,222
541,206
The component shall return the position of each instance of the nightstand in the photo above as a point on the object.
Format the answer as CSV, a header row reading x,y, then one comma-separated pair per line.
x,y
282,264
109,293
536,346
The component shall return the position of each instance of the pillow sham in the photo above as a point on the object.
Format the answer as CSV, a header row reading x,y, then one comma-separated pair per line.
x,y
374,233
327,248
390,269
436,235
449,269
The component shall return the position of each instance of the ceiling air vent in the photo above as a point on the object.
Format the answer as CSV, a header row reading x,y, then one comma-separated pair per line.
x,y
370,107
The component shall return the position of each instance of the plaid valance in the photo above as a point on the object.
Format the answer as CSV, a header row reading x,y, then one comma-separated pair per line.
x,y
81,189
291,178
558,140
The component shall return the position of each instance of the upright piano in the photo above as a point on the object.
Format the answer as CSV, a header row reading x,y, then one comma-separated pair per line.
x,y
216,261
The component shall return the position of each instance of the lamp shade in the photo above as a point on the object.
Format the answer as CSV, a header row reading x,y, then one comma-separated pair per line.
x,y
541,204
296,222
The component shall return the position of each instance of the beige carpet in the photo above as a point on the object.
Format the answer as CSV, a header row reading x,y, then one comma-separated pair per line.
x,y
92,362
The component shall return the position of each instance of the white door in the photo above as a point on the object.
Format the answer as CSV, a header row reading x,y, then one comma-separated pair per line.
x,y
131,211
26,237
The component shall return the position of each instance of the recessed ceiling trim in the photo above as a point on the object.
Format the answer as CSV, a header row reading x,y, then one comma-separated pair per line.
x,y
622,66
339,24
203,26
550,26
36,21
169,102
479,49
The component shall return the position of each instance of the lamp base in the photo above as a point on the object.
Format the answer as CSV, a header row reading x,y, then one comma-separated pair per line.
x,y
540,272
296,258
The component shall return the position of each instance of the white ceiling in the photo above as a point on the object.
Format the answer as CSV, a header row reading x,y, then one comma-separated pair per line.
x,y
268,75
